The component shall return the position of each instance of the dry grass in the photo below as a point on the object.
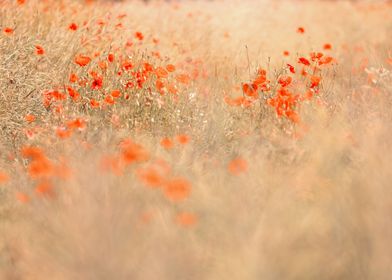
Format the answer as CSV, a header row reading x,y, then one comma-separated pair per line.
x,y
270,197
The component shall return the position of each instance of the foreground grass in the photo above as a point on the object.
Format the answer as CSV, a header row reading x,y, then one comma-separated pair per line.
x,y
135,144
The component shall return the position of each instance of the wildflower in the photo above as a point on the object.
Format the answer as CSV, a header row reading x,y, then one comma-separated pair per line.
x,y
8,30
109,100
39,50
166,143
183,139
237,166
139,36
177,189
73,93
30,118
161,72
132,152
73,78
315,81
304,61
186,219
94,103
4,178
63,132
284,81
183,79
291,68
115,93
82,60
110,57
301,30
77,123
170,68
73,27
32,152
150,176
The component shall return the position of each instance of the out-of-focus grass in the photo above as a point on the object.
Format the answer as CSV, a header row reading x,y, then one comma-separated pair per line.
x,y
310,200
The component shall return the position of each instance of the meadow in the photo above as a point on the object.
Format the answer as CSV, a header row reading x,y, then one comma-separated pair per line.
x,y
189,140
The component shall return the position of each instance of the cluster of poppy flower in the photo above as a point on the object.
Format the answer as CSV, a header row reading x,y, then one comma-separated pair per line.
x,y
282,97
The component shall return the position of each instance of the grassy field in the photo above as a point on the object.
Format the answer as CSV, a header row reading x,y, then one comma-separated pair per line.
x,y
195,140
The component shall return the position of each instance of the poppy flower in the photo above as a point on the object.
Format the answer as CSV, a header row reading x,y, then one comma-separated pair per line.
x,y
8,30
139,36
73,78
301,30
177,189
73,27
150,176
82,60
94,103
166,143
183,139
110,57
170,68
132,152
237,166
4,178
161,72
39,50
186,219
304,61
183,79
30,118
115,93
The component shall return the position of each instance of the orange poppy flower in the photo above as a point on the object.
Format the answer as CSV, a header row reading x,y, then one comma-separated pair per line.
x,y
73,78
116,93
63,132
166,143
94,103
304,61
150,176
73,27
109,100
186,219
30,118
132,152
4,178
170,68
82,60
161,73
183,78
40,168
31,152
110,57
76,124
8,30
139,36
183,139
177,189
301,30
39,50
237,166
